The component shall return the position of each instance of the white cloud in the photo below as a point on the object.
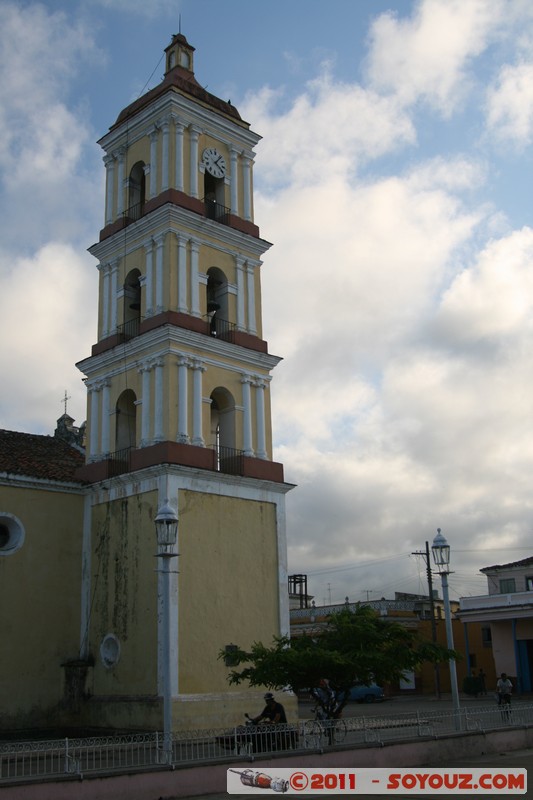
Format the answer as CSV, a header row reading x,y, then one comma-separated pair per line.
x,y
427,56
510,104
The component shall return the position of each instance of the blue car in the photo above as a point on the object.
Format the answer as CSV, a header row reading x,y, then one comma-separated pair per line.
x,y
366,694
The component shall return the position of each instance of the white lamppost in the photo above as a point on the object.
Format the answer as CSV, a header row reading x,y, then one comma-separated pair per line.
x,y
441,556
166,525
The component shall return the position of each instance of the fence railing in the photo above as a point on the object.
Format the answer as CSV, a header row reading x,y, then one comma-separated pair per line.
x,y
33,761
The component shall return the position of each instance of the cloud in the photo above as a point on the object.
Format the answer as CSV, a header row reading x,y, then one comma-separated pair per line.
x,y
510,104
426,57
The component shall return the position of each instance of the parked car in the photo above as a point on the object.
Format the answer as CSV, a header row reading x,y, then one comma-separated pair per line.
x,y
366,694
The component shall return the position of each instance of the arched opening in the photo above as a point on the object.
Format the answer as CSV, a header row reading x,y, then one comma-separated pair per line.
x,y
218,303
136,191
126,423
222,429
132,304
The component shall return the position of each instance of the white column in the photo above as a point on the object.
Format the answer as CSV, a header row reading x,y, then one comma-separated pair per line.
x,y
159,435
179,155
104,269
114,296
241,319
109,162
121,155
247,416
182,273
197,437
94,430
145,406
106,394
260,387
195,279
164,156
194,134
159,241
247,186
149,282
153,162
183,400
252,328
234,187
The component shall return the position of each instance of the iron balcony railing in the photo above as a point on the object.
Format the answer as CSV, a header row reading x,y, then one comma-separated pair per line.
x,y
217,211
229,460
30,761
134,212
130,329
222,328
119,462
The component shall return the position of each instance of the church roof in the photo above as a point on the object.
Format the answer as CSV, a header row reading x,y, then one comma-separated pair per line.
x,y
36,456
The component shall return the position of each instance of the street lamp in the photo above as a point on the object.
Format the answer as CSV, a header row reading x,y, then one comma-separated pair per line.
x,y
441,556
166,526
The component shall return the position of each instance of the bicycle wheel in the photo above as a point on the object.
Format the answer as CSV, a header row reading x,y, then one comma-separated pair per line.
x,y
312,734
339,731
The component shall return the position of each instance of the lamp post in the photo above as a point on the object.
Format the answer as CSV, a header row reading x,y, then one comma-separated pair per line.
x,y
166,526
441,556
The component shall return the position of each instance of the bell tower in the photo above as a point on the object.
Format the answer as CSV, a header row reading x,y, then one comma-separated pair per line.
x,y
178,386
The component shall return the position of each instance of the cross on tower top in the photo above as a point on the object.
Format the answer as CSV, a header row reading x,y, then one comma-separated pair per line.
x,y
65,399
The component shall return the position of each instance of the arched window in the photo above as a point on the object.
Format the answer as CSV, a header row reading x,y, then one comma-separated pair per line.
x,y
132,304
126,427
222,428
136,191
218,303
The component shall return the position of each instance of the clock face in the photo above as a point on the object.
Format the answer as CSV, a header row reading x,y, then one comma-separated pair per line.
x,y
214,162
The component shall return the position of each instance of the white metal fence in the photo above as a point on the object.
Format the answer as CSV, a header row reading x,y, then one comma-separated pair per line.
x,y
26,761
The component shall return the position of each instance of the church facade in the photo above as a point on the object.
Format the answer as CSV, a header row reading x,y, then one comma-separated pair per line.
x,y
178,413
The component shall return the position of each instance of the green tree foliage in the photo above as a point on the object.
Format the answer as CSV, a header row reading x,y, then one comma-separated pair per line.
x,y
354,647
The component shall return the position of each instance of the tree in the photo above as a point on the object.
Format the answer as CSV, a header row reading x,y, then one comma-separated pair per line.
x,y
355,648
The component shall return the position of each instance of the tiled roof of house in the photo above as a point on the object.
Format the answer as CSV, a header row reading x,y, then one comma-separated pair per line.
x,y
525,562
35,456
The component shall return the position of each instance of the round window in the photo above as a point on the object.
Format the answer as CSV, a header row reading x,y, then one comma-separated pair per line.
x,y
110,650
11,534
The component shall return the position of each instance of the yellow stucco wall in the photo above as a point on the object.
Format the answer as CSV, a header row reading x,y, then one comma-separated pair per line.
x,y
124,594
40,602
227,583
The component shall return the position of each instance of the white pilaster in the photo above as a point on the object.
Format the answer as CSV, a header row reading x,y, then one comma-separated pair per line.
x,y
145,369
109,162
247,186
120,155
179,155
104,270
260,387
239,269
165,126
182,273
94,391
234,187
149,280
114,295
154,135
106,439
252,327
183,400
159,435
194,134
247,415
160,243
197,437
195,278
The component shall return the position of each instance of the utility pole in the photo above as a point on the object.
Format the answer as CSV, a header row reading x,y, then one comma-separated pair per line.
x,y
425,555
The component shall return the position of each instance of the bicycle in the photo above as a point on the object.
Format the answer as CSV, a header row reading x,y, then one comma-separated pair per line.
x,y
323,730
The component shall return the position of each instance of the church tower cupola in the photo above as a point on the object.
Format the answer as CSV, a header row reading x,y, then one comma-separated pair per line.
x,y
179,53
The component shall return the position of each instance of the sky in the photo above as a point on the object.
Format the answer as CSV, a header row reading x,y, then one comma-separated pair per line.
x,y
394,181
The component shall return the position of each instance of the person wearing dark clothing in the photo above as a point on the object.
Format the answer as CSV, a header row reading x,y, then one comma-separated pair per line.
x,y
273,712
